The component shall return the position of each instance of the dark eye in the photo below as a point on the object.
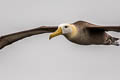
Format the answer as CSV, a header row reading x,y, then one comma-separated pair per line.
x,y
66,26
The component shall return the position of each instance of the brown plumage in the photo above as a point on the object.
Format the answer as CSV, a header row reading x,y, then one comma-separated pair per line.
x,y
97,34
11,38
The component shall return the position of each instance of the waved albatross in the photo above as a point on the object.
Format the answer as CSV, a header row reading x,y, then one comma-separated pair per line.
x,y
80,32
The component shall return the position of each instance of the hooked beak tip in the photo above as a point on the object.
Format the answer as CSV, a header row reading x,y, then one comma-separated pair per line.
x,y
50,38
56,33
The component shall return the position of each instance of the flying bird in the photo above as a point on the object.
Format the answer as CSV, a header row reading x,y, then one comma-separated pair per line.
x,y
80,32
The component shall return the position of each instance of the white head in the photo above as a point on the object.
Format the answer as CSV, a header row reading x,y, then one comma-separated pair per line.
x,y
64,29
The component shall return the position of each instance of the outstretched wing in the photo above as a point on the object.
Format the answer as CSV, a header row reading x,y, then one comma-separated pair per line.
x,y
10,38
94,27
104,28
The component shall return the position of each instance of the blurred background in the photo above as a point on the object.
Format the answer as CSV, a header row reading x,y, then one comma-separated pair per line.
x,y
36,57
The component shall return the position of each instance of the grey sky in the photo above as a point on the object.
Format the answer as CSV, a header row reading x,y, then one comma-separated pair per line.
x,y
57,59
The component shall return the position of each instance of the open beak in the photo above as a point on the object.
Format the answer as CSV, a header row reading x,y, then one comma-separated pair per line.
x,y
56,33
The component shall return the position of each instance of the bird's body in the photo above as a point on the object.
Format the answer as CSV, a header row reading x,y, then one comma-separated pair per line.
x,y
85,37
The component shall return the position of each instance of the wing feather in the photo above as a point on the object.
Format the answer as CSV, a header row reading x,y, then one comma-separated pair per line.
x,y
96,27
105,28
10,38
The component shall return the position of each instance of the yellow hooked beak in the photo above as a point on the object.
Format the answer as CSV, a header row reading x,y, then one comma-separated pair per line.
x,y
56,33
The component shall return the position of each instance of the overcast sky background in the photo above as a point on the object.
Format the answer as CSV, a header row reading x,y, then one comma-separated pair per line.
x,y
37,58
